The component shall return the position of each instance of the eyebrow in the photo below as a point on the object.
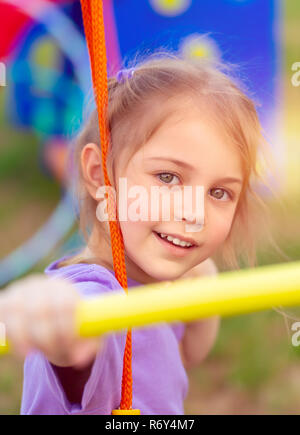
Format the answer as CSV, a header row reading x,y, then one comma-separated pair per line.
x,y
188,166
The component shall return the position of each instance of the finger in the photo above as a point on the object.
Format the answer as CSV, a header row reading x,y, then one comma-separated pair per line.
x,y
15,334
61,317
38,320
51,317
85,352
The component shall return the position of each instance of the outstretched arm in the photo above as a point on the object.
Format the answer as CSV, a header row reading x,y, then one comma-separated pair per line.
x,y
199,336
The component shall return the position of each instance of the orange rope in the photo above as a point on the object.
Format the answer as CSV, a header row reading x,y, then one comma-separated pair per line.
x,y
92,12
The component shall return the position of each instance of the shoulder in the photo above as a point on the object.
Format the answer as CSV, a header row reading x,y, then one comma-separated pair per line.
x,y
90,279
206,268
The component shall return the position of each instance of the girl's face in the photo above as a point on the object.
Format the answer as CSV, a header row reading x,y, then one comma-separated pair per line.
x,y
185,151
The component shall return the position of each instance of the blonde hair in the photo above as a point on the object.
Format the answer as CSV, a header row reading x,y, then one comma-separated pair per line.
x,y
158,80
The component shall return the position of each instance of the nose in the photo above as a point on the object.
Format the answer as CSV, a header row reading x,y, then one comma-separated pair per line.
x,y
190,210
189,218
192,224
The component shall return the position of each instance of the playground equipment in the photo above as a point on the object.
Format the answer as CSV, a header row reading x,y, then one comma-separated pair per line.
x,y
227,294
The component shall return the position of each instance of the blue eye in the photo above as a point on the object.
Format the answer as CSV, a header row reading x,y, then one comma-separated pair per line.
x,y
222,190
168,179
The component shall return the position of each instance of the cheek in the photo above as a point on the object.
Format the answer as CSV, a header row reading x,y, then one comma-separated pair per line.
x,y
128,232
129,237
133,233
134,200
219,227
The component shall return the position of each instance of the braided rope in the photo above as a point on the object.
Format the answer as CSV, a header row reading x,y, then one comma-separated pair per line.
x,y
92,12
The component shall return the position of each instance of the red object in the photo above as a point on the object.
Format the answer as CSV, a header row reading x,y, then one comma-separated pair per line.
x,y
13,24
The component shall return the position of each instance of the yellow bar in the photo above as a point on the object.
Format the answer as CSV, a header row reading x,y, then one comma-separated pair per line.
x,y
229,293
4,349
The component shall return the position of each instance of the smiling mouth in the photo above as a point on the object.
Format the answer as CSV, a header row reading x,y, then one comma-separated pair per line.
x,y
175,242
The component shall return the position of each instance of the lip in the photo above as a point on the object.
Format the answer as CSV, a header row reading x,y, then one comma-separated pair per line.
x,y
185,239
178,251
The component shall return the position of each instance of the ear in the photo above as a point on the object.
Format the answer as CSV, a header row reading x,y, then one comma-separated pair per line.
x,y
91,165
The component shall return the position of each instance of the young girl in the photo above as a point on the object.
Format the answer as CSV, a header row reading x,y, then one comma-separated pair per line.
x,y
172,122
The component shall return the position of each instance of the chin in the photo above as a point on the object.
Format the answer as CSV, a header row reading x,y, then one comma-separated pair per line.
x,y
163,272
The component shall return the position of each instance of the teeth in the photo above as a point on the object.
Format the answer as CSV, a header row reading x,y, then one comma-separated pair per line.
x,y
176,241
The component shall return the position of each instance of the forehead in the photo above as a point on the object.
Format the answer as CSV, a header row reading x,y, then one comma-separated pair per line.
x,y
188,130
190,134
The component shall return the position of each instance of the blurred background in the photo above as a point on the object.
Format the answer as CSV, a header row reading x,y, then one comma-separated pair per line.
x,y
45,95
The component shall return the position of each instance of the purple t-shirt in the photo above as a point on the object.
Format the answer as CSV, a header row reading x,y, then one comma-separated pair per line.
x,y
160,382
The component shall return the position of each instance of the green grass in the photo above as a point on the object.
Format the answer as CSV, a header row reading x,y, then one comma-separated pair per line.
x,y
19,165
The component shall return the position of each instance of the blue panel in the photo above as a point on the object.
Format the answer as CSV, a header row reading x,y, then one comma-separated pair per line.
x,y
244,31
